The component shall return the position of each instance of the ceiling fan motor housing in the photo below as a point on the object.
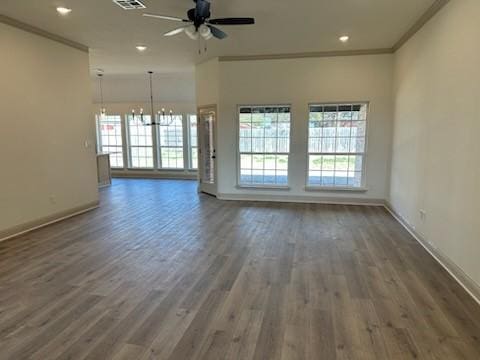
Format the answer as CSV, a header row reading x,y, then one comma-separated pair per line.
x,y
200,13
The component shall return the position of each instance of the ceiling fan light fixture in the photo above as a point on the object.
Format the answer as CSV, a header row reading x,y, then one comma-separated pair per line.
x,y
205,32
191,32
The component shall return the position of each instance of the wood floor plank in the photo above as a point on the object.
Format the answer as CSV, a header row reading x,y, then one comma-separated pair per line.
x,y
160,272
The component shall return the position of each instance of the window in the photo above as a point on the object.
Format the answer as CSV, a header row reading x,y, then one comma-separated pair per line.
x,y
170,142
110,138
264,145
193,145
336,145
140,142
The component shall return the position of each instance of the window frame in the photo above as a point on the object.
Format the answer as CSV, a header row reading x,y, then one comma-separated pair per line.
x,y
363,186
100,145
158,143
189,142
238,152
128,145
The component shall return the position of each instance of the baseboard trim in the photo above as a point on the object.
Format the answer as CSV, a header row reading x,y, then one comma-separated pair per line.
x,y
465,281
301,199
47,220
153,175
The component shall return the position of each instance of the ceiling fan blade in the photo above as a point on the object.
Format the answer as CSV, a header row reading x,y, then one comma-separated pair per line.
x,y
172,18
232,21
175,31
219,34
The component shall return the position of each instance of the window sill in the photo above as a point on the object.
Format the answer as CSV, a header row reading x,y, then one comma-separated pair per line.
x,y
193,171
335,188
263,187
139,169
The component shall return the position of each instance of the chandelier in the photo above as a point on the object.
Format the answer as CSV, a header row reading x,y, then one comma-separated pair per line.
x,y
161,115
103,111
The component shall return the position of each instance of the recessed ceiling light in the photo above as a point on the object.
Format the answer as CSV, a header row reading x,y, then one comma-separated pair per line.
x,y
63,10
141,47
344,38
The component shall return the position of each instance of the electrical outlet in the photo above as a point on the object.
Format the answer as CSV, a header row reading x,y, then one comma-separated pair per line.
x,y
53,199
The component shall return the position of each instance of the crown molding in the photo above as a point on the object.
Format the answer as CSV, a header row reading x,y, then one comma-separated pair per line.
x,y
420,23
307,55
34,30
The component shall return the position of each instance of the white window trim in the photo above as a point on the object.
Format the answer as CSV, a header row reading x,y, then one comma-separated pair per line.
x,y
99,139
363,186
127,159
158,148
129,148
238,166
189,143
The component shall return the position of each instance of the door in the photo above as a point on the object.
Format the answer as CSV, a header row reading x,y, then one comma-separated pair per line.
x,y
207,117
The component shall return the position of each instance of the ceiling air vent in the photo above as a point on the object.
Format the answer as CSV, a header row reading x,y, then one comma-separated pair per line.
x,y
129,4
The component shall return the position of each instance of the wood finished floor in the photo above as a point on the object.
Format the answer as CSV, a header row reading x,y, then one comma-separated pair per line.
x,y
159,272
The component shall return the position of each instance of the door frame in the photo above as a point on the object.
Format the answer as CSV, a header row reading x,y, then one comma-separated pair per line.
x,y
207,187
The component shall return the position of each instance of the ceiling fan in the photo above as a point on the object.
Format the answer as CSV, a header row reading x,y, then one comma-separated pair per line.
x,y
199,22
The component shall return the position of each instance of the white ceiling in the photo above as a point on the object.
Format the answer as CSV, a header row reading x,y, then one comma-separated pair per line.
x,y
282,27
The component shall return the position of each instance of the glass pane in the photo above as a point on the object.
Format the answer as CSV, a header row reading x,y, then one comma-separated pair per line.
x,y
245,176
282,177
341,178
359,128
194,157
258,161
140,141
246,161
170,135
337,130
245,145
314,144
342,145
270,162
341,163
264,133
258,144
315,162
282,162
110,138
357,145
328,162
172,158
208,123
314,178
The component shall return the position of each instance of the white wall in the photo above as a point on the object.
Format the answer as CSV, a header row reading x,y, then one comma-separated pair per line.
x,y
207,83
45,119
171,88
299,82
436,143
